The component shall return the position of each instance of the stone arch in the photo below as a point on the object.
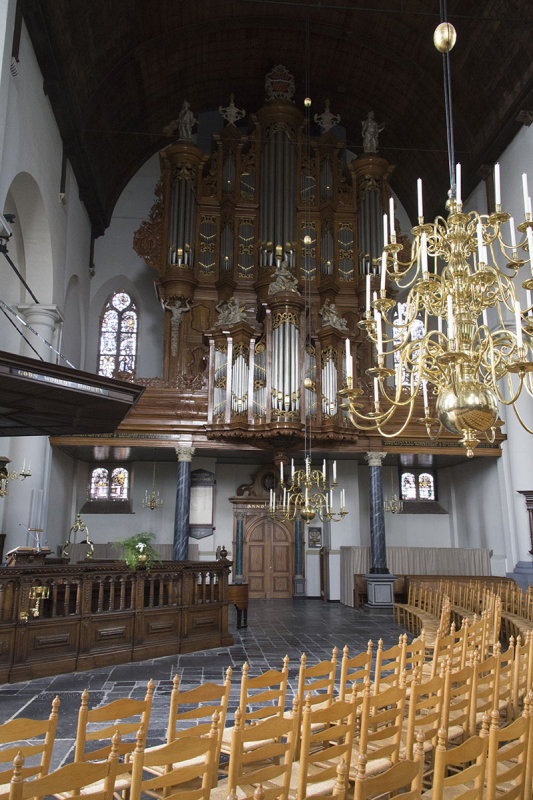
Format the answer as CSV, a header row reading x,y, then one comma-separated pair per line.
x,y
32,243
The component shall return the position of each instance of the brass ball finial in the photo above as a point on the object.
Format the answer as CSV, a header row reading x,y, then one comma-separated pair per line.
x,y
444,37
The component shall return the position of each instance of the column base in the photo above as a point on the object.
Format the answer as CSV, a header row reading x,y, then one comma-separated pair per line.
x,y
299,586
522,574
380,591
238,579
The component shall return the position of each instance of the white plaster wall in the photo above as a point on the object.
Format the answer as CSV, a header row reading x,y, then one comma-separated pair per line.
x,y
118,266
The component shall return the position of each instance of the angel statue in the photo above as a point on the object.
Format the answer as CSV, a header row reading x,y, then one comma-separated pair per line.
x,y
330,316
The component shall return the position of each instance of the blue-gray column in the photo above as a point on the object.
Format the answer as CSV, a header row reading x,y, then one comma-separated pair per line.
x,y
378,552
183,500
237,573
299,580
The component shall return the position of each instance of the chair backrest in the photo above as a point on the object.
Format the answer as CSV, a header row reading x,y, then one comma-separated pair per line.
x,y
457,700
402,781
466,783
506,680
485,687
327,736
124,715
265,694
355,669
69,780
523,670
316,683
181,768
381,723
414,657
425,711
507,758
262,754
389,664
193,709
37,755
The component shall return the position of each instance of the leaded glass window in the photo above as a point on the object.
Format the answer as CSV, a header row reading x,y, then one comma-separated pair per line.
x,y
408,486
117,350
418,485
426,486
109,483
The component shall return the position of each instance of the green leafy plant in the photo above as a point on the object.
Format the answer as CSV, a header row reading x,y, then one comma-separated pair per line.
x,y
139,551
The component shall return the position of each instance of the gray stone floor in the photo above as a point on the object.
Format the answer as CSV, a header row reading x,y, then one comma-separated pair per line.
x,y
275,628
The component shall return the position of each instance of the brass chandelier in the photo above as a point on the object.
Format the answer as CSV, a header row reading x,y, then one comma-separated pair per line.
x,y
461,365
308,495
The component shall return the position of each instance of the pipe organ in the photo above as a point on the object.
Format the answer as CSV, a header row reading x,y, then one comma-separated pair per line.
x,y
259,248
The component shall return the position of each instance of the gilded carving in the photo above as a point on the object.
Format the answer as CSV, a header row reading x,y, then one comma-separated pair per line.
x,y
148,239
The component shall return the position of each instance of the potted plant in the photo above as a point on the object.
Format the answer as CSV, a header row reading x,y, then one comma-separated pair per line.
x,y
138,551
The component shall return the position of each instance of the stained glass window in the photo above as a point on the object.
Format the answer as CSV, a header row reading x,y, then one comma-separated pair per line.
x,y
99,484
426,486
408,485
109,484
418,485
118,336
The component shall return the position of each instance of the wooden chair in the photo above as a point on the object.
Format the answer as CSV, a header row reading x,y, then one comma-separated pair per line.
x,y
414,658
355,669
327,745
457,703
505,681
485,686
523,671
19,733
466,783
507,758
316,683
191,715
424,714
450,648
381,725
402,781
265,694
262,754
78,781
182,768
389,664
124,715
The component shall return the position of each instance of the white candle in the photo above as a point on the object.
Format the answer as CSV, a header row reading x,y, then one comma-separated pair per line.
x,y
419,194
271,498
525,190
425,393
424,254
479,233
391,218
368,292
281,471
292,467
334,472
497,187
485,318
518,323
331,499
324,468
349,360
529,304
307,467
343,499
439,324
435,264
383,269
385,230
376,390
284,497
513,233
458,184
377,318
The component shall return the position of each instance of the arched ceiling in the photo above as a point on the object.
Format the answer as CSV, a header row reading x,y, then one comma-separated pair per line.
x,y
117,71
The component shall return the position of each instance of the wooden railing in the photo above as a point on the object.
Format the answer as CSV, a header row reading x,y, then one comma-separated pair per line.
x,y
62,618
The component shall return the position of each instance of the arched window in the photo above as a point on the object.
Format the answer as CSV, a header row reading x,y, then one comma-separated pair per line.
x,y
416,484
117,350
109,483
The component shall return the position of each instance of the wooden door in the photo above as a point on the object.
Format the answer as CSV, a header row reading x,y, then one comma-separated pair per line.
x,y
268,558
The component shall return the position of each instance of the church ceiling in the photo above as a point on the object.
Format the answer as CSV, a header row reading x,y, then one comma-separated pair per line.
x,y
117,73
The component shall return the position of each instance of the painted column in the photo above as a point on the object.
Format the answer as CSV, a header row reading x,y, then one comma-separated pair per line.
x,y
237,574
183,499
35,451
379,582
299,580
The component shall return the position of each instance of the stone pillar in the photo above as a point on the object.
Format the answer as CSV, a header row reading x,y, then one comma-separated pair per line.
x,y
183,499
237,569
379,582
34,450
299,580
377,515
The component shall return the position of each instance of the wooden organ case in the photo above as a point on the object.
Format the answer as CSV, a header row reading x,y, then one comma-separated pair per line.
x,y
247,353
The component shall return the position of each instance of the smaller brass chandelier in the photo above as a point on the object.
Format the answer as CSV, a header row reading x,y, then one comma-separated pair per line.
x,y
9,475
152,500
393,504
307,496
